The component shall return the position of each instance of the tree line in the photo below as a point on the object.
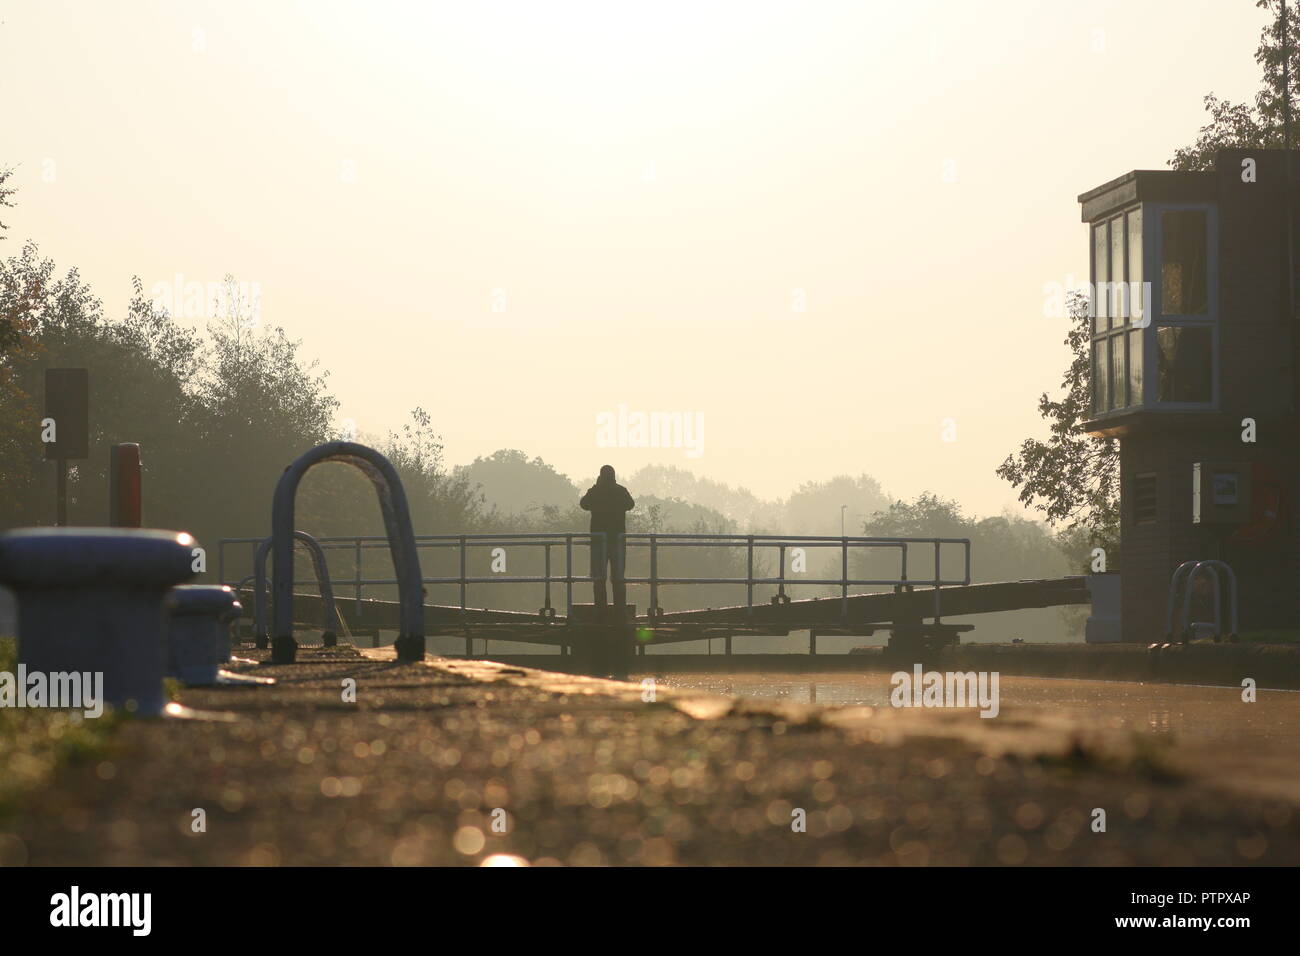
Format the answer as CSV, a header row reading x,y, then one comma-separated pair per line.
x,y
219,413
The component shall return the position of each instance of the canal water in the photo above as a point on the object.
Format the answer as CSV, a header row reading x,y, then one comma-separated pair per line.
x,y
1214,715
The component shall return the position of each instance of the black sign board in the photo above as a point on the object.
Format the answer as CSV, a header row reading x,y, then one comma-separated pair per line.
x,y
67,413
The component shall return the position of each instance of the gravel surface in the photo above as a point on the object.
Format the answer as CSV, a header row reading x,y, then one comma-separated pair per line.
x,y
461,762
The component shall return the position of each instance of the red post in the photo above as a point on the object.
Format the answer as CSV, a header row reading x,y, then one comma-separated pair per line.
x,y
124,504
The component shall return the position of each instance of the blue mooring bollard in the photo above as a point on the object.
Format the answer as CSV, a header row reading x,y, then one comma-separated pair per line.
x,y
198,631
91,600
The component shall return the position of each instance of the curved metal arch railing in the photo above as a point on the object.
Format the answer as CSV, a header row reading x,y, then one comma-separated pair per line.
x,y
331,619
1175,591
401,541
1183,583
1213,567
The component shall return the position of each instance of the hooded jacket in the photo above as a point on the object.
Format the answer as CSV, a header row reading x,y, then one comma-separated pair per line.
x,y
609,503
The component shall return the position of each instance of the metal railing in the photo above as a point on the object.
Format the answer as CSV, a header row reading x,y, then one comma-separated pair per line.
x,y
1183,585
754,545
463,544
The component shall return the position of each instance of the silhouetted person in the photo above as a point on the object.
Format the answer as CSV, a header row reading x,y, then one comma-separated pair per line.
x,y
609,503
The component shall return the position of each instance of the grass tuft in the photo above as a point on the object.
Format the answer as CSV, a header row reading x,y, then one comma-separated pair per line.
x,y
35,743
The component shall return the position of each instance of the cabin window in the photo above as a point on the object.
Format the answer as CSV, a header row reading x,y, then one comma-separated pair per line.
x,y
1117,306
1184,365
1183,339
1184,272
1154,295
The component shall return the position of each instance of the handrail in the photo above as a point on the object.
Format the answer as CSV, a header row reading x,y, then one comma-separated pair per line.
x,y
401,542
332,617
655,542
1182,584
1175,590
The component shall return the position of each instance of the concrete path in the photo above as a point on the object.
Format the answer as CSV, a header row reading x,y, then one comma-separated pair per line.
x,y
462,762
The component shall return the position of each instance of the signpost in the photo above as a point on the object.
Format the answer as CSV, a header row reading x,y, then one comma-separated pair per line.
x,y
65,429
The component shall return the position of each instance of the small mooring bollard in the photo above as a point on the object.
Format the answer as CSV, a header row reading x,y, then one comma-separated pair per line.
x,y
91,600
198,631
230,631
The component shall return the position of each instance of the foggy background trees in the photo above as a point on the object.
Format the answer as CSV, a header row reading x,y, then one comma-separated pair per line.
x,y
220,412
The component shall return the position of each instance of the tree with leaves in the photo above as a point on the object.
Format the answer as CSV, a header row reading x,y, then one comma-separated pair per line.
x,y
23,282
5,192
1245,125
1072,476
516,485
441,503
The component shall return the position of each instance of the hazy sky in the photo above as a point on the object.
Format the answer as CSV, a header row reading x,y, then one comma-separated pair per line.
x,y
520,216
